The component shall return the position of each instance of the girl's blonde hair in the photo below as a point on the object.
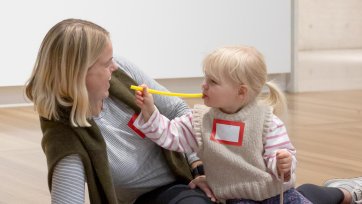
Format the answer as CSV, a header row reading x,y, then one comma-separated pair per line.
x,y
244,65
68,50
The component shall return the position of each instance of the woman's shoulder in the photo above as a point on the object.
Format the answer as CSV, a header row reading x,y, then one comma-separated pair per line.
x,y
126,65
59,135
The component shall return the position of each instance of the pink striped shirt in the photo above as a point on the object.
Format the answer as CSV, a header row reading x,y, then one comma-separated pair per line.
x,y
178,135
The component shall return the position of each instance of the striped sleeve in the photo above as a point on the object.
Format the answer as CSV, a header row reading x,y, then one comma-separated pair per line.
x,y
276,139
68,181
175,135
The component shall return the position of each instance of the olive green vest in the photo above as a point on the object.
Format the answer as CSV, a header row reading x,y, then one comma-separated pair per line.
x,y
60,139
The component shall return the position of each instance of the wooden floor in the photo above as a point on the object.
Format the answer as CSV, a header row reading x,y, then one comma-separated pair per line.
x,y
326,129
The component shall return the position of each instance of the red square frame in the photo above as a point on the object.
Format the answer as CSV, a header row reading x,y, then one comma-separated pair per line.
x,y
228,122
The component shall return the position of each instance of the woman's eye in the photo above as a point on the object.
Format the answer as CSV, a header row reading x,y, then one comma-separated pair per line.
x,y
109,63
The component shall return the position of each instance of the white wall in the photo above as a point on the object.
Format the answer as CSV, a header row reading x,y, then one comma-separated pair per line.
x,y
329,45
166,38
330,24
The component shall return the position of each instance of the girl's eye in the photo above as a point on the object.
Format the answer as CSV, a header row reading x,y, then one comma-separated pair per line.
x,y
213,81
210,80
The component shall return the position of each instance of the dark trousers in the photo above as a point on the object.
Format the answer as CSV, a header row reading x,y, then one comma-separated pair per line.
x,y
291,196
320,194
174,193
182,194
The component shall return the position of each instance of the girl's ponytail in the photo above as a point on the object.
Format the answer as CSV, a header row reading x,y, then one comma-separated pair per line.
x,y
276,99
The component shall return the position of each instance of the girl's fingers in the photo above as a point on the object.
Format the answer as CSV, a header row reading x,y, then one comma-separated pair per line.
x,y
284,166
284,161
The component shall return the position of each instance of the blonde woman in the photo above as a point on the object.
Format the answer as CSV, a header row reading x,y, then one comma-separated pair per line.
x,y
85,106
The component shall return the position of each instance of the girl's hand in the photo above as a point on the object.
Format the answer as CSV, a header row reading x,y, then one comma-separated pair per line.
x,y
284,163
144,100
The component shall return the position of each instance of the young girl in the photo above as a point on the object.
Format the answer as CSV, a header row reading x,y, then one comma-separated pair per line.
x,y
244,146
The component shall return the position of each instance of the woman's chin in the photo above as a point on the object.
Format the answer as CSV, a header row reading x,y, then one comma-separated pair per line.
x,y
106,94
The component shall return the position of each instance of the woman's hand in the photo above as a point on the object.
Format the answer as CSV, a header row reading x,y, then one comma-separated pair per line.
x,y
200,181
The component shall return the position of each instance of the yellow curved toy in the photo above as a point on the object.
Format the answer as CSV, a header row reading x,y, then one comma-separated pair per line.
x,y
165,93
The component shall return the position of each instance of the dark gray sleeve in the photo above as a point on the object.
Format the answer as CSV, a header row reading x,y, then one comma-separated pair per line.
x,y
170,107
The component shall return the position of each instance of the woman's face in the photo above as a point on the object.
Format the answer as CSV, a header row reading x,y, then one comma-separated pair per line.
x,y
98,76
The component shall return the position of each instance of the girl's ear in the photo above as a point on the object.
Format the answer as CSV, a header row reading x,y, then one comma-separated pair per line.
x,y
243,92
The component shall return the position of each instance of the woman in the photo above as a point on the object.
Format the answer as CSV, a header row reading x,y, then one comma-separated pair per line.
x,y
84,111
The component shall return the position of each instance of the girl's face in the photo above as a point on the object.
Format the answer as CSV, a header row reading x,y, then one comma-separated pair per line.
x,y
98,76
223,94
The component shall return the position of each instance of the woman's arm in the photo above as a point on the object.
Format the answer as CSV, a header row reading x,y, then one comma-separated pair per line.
x,y
68,181
170,107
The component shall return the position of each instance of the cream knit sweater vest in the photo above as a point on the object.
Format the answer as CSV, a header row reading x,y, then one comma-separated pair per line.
x,y
235,172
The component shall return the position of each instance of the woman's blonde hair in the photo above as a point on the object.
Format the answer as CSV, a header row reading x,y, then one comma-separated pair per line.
x,y
245,65
68,50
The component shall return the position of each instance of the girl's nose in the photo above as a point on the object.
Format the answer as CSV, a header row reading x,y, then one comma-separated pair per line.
x,y
204,85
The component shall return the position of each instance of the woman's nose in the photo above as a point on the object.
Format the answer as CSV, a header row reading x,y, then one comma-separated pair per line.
x,y
114,66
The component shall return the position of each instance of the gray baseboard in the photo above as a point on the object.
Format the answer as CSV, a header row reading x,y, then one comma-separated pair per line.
x,y
193,85
13,96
